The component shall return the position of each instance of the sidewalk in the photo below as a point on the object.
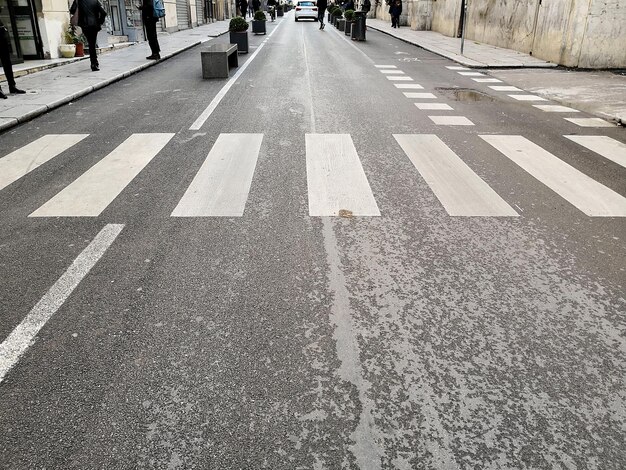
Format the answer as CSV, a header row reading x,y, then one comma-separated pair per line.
x,y
50,86
600,93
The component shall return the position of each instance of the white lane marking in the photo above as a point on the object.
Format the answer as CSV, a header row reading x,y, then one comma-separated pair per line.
x,y
420,96
385,66
487,80
198,123
456,67
590,122
555,108
222,184
24,160
408,86
440,106
610,149
406,79
591,197
392,72
95,189
335,178
504,88
471,74
527,98
23,336
461,191
451,120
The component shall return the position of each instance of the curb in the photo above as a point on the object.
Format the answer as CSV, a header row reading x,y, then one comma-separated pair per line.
x,y
85,91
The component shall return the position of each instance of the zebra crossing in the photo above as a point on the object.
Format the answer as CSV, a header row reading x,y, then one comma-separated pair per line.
x,y
336,181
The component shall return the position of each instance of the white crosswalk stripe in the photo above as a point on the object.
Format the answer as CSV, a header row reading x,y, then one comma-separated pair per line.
x,y
93,191
335,178
24,160
590,122
555,108
461,191
222,185
609,148
591,197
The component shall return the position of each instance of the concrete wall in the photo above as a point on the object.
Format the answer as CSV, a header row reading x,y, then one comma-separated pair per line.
x,y
575,33
53,18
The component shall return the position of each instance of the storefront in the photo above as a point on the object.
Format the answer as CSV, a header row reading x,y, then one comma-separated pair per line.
x,y
20,19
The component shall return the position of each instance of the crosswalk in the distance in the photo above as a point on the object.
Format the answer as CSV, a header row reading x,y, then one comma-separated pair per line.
x,y
336,181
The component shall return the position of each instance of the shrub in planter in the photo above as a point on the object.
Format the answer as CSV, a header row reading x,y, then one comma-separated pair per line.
x,y
337,15
74,36
258,23
349,14
279,10
238,28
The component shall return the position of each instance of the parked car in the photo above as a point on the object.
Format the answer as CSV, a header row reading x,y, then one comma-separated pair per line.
x,y
306,9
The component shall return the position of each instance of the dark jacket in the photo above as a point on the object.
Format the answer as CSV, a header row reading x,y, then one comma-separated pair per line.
x,y
395,10
367,5
243,6
256,5
147,11
91,14
322,4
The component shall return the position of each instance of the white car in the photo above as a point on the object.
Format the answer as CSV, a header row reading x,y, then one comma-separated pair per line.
x,y
306,9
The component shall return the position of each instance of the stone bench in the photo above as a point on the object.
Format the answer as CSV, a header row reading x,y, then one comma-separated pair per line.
x,y
217,59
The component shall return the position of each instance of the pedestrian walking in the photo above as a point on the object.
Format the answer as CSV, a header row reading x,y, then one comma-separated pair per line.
x,y
150,21
256,5
5,56
91,16
321,8
251,9
366,7
395,10
243,7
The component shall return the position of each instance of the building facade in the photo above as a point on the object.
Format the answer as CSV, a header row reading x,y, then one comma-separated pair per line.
x,y
37,27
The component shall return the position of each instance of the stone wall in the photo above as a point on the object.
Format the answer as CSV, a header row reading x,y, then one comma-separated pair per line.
x,y
574,33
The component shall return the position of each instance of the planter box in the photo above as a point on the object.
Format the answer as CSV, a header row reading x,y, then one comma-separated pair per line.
x,y
258,27
348,28
280,12
241,39
67,50
341,25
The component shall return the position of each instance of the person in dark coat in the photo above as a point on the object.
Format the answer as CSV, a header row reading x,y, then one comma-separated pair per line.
x,y
5,56
256,5
91,15
367,6
150,21
321,8
395,10
243,6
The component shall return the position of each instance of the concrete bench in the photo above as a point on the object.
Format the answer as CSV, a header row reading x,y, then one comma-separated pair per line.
x,y
217,58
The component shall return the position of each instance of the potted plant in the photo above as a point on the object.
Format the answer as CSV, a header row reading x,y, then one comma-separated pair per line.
x,y
280,10
238,28
331,9
349,14
73,35
258,23
338,19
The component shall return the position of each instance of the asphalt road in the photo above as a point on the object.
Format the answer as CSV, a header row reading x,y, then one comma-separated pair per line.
x,y
418,338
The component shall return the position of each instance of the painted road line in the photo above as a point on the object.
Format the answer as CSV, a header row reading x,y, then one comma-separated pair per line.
x,y
471,74
487,80
23,336
504,88
420,96
396,78
461,191
335,178
439,106
198,123
385,66
527,98
591,197
24,160
451,120
392,72
95,189
456,67
222,184
408,86
610,149
555,108
590,122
